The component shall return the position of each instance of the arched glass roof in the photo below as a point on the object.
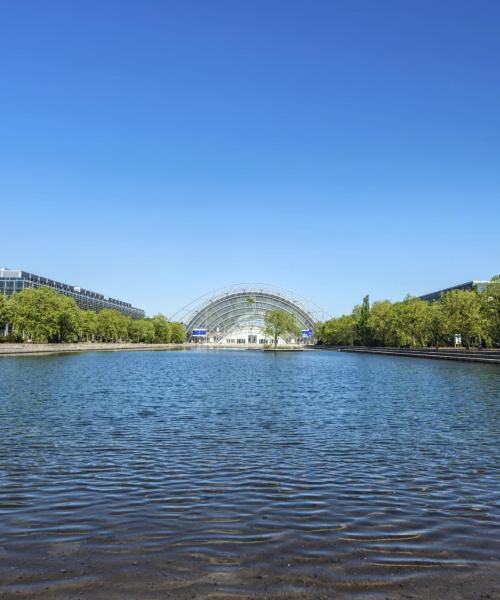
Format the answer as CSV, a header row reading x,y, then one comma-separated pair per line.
x,y
243,308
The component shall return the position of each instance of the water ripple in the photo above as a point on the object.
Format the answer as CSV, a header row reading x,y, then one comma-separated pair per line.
x,y
209,474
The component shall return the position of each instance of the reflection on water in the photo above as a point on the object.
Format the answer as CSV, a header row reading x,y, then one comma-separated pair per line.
x,y
204,472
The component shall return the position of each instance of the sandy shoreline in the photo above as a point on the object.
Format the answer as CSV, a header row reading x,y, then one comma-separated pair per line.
x,y
167,579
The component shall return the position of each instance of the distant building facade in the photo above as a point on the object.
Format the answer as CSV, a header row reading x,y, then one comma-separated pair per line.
x,y
15,280
467,286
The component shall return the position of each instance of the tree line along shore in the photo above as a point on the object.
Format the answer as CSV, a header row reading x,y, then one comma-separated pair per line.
x,y
41,315
473,315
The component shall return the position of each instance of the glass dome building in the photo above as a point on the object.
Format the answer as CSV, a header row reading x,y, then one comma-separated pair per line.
x,y
236,315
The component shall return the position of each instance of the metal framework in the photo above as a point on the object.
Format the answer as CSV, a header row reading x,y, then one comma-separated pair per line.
x,y
240,311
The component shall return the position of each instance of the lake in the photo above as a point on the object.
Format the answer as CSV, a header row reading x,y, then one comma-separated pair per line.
x,y
186,474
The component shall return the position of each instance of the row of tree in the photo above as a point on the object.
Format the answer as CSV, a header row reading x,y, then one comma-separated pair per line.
x,y
43,315
474,315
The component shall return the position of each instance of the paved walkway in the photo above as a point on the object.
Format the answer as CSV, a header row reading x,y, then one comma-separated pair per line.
x,y
481,356
16,349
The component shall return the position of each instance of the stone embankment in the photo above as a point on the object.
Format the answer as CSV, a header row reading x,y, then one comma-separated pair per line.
x,y
20,349
461,354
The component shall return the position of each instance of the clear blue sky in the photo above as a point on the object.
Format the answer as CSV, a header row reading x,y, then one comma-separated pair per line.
x,y
153,151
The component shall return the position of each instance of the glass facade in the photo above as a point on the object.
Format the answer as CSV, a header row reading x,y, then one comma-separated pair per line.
x,y
13,281
239,316
468,286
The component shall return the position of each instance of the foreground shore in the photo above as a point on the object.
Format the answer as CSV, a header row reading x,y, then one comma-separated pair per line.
x,y
16,349
474,356
164,577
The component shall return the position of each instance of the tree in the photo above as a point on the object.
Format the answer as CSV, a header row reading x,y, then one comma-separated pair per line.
x,y
4,315
362,316
177,333
279,323
69,319
162,332
380,322
463,314
112,326
43,315
88,325
36,313
473,314
142,330
490,309
341,331
414,320
437,322
319,332
345,330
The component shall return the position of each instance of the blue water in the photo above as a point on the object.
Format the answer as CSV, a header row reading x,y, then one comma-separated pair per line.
x,y
217,470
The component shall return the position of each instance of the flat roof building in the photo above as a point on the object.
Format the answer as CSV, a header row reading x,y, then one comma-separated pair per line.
x,y
467,286
15,280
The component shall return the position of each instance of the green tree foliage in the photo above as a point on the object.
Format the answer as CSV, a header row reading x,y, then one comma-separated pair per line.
x,y
178,333
162,331
490,309
381,323
413,322
337,332
142,330
112,326
43,315
4,313
438,324
69,319
413,325
279,324
347,330
463,312
362,317
36,314
88,326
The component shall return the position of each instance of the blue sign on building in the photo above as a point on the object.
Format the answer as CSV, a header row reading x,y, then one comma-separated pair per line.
x,y
307,333
199,332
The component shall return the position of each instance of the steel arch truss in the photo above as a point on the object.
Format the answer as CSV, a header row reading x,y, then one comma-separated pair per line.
x,y
226,314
